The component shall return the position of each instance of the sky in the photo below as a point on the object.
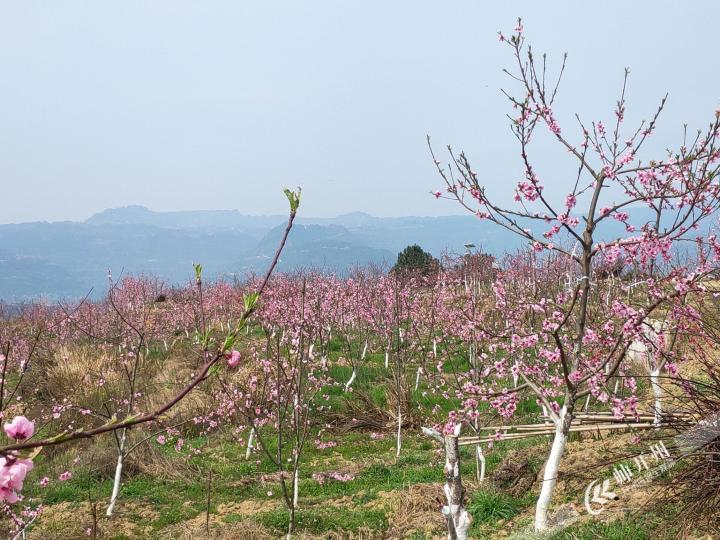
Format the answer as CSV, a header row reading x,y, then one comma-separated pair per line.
x,y
189,105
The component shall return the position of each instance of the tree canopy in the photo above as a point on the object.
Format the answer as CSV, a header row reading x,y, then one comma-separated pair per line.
x,y
415,259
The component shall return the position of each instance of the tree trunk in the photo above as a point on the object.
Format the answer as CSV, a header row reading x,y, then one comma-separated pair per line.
x,y
458,519
479,463
118,474
657,393
348,384
399,431
551,471
296,485
291,525
251,440
479,458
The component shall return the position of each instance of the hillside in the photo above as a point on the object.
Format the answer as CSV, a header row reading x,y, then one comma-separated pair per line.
x,y
70,259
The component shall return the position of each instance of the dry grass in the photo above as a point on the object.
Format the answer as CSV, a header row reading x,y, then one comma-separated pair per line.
x,y
69,521
416,509
515,475
196,529
360,413
74,373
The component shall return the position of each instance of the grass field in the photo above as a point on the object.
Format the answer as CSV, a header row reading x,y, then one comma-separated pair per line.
x,y
208,489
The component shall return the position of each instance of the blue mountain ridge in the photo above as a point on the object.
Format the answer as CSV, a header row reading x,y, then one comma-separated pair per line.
x,y
71,259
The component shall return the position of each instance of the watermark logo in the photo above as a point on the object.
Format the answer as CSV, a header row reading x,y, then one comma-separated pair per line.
x,y
623,474
601,495
641,470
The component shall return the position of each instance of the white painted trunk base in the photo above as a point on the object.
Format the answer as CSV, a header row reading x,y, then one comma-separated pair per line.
x,y
479,463
117,482
296,487
458,519
251,441
399,432
657,393
550,476
348,384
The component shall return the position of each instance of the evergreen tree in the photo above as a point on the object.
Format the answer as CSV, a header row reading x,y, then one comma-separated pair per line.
x,y
415,259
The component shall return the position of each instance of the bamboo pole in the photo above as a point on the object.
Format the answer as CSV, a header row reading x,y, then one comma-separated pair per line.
x,y
466,441
580,419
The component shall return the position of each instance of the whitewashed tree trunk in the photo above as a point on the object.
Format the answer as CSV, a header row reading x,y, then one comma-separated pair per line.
x,y
657,393
479,458
362,356
479,463
457,517
399,431
118,474
417,377
296,486
550,475
251,441
348,384
387,359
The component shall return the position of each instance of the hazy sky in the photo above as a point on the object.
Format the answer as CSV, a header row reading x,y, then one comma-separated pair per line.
x,y
210,104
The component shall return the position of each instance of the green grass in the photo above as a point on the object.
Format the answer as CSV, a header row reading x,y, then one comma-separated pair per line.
x,y
373,461
616,530
382,472
237,479
491,506
318,521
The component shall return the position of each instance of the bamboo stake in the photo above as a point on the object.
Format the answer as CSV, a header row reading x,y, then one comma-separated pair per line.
x,y
595,418
466,441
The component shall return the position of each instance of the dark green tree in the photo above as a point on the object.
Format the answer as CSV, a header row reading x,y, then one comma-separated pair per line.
x,y
415,259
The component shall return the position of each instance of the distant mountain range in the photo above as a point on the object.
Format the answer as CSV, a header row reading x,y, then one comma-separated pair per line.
x,y
71,259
